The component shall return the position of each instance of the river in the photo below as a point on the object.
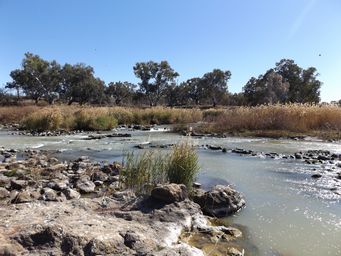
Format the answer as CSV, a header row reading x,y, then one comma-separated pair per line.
x,y
287,212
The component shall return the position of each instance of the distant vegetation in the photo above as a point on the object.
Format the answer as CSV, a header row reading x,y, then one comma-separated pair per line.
x,y
143,172
276,120
282,101
264,120
42,80
64,117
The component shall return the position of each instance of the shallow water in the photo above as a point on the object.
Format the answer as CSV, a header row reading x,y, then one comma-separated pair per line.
x,y
287,212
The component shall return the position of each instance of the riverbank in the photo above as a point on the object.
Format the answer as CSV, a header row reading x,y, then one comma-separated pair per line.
x,y
273,121
80,208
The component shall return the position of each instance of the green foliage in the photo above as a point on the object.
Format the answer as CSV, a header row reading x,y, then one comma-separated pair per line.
x,y
94,120
269,88
142,173
37,78
304,87
155,78
80,85
120,91
182,166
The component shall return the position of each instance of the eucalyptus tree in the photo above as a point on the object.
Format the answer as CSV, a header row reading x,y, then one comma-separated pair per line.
x,y
304,85
37,78
120,91
214,84
80,85
155,78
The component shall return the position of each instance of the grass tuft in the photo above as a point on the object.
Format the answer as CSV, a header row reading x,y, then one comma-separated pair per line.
x,y
143,172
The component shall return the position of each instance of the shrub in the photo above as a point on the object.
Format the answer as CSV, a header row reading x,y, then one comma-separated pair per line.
x,y
43,120
94,119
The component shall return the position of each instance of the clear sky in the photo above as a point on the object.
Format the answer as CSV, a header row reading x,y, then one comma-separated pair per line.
x,y
246,37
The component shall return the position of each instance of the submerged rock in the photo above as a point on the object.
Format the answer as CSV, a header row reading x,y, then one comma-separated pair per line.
x,y
221,201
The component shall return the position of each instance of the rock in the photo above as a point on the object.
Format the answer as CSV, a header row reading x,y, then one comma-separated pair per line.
x,y
170,193
323,158
98,183
316,176
57,167
58,185
138,242
179,249
298,156
53,160
71,194
10,248
5,181
242,151
4,193
221,201
23,197
234,252
212,147
196,185
99,176
18,184
49,194
85,185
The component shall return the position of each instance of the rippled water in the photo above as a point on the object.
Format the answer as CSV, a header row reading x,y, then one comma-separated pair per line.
x,y
287,212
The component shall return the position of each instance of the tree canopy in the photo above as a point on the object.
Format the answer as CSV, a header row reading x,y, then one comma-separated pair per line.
x,y
39,79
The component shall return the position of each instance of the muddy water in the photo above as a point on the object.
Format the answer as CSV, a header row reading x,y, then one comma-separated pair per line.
x,y
287,213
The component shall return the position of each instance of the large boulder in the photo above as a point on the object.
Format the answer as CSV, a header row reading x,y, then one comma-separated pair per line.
x,y
219,202
170,193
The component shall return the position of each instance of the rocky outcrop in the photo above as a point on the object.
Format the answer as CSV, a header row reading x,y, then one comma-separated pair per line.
x,y
170,193
90,227
45,210
221,201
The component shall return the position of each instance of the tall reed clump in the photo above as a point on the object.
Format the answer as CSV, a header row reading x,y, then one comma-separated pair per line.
x,y
182,166
289,117
43,120
142,173
94,119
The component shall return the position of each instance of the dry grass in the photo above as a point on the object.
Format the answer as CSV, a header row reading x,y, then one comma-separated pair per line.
x,y
296,118
14,114
92,118
267,121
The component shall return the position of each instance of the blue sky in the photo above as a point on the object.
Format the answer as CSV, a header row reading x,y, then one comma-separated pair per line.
x,y
246,37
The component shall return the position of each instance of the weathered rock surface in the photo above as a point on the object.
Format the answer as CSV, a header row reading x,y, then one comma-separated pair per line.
x,y
85,185
4,193
86,227
221,201
170,193
43,213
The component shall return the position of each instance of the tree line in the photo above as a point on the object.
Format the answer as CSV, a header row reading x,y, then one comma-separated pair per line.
x,y
39,79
